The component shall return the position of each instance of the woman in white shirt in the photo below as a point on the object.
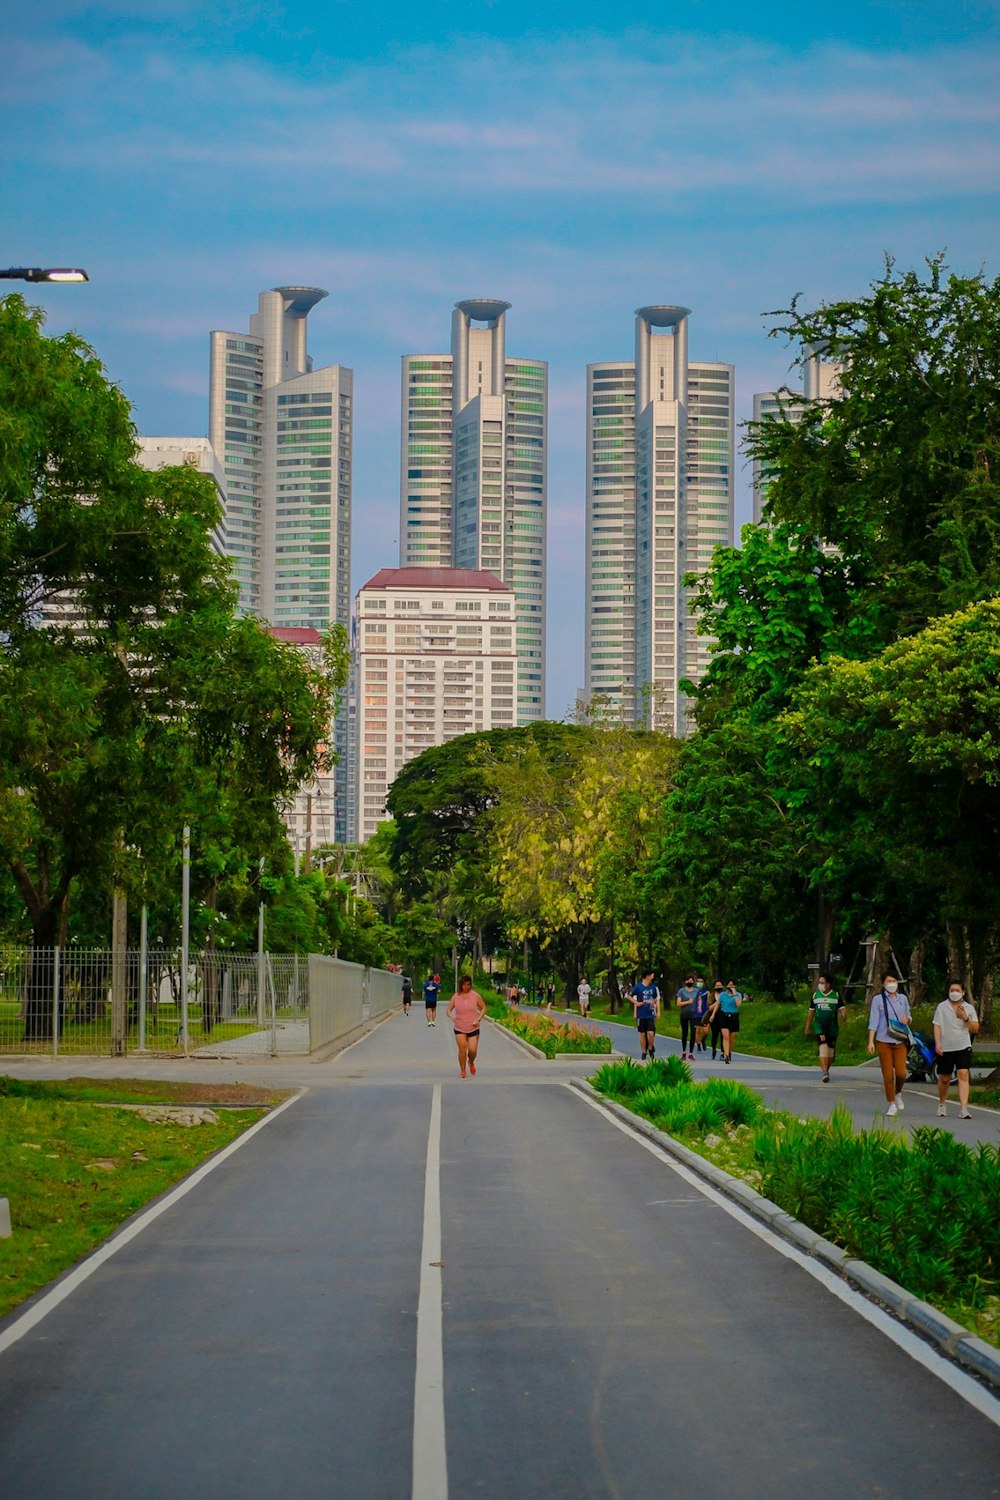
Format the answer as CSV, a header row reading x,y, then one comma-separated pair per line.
x,y
955,1024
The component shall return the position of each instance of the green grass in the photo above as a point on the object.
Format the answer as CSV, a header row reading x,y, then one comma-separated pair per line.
x,y
78,1038
924,1210
73,1171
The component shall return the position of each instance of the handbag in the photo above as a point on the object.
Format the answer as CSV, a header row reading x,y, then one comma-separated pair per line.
x,y
898,1030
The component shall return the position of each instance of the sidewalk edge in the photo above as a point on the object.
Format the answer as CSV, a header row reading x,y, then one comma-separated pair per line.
x,y
950,1338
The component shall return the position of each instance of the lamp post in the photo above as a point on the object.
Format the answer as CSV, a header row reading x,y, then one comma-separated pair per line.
x,y
41,273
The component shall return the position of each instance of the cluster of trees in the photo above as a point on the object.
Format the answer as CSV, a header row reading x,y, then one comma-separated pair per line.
x,y
842,780
133,697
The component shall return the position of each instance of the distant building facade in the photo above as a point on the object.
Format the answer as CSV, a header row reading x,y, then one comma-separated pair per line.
x,y
283,432
660,498
473,473
821,382
435,658
188,452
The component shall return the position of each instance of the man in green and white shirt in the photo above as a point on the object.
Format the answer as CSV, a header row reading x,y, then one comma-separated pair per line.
x,y
826,1011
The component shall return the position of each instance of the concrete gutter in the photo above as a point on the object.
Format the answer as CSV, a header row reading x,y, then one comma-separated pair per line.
x,y
949,1337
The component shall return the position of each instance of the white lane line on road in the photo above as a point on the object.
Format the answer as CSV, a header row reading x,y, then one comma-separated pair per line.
x,y
430,1454
963,1385
86,1268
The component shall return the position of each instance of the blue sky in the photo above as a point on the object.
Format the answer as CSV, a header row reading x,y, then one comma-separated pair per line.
x,y
722,156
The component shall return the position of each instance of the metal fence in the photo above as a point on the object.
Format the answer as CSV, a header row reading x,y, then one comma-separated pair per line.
x,y
63,1001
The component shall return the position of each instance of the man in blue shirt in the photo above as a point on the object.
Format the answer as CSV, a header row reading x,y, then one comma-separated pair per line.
x,y
646,1005
432,988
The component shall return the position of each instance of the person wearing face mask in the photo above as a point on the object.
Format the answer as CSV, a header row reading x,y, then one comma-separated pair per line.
x,y
955,1024
826,1011
889,1005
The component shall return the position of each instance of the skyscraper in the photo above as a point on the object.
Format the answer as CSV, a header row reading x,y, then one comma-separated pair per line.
x,y
283,433
473,473
660,433
821,382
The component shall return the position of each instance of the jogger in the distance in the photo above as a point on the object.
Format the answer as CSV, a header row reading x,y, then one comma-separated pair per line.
x,y
466,1009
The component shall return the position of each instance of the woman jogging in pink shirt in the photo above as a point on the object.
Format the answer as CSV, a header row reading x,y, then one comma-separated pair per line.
x,y
467,1009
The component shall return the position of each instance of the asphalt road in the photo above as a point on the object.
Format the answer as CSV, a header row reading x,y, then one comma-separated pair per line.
x,y
608,1328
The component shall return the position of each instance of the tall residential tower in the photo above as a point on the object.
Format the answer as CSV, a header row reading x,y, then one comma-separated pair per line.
x,y
473,473
282,431
660,435
821,382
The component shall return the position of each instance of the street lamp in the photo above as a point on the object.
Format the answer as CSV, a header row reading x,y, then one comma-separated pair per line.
x,y
39,273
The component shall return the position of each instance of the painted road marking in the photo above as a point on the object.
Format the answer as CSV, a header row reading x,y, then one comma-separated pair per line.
x,y
86,1268
904,1338
430,1454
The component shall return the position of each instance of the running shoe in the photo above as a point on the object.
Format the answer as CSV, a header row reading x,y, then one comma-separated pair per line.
x,y
472,1067
964,1114
891,1111
943,1110
899,1104
826,1078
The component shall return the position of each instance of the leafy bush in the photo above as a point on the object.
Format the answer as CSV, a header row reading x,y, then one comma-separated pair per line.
x,y
547,1034
735,1102
625,1080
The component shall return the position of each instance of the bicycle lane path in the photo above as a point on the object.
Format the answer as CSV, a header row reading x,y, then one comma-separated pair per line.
x,y
608,1329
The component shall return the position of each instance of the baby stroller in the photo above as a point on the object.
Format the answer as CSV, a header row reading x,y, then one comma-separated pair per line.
x,y
920,1058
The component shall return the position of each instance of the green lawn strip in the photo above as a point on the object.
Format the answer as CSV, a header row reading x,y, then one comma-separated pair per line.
x,y
74,1171
550,1036
924,1211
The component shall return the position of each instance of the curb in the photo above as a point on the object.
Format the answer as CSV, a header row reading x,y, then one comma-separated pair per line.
x,y
950,1338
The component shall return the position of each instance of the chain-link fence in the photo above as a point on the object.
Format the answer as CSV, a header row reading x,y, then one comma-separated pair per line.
x,y
61,1001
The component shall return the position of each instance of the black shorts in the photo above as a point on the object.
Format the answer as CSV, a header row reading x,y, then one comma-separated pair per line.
x,y
647,1023
950,1062
431,1004
468,1033
728,1022
826,1038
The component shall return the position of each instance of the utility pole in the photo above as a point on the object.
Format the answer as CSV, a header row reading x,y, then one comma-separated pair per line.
x,y
119,972
185,931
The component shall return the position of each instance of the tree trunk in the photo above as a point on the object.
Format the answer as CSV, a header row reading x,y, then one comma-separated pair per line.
x,y
878,959
916,983
971,954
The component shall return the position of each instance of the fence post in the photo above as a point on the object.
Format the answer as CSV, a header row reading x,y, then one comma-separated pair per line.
x,y
274,1009
55,1001
185,932
261,975
143,973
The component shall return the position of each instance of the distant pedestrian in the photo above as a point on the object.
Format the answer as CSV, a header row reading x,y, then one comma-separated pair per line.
x,y
701,1004
550,994
888,1016
728,1013
432,989
687,995
715,1017
466,1009
955,1024
513,996
407,994
646,1008
583,996
826,1011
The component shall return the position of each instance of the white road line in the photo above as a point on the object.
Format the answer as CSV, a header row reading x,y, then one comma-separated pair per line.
x,y
86,1268
904,1338
430,1454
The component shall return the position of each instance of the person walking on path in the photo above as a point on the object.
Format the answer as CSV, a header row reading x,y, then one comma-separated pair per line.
x,y
726,1011
687,997
466,1009
646,1007
407,994
432,988
701,1005
890,1009
955,1024
826,1011
715,1017
514,996
583,995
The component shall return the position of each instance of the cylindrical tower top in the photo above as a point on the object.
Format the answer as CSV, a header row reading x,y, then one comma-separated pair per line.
x,y
483,309
663,315
301,299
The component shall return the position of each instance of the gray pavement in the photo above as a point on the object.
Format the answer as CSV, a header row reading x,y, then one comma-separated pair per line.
x,y
609,1330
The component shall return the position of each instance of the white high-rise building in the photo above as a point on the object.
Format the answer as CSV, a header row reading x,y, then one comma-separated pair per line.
x,y
282,430
660,498
473,473
821,382
435,657
192,453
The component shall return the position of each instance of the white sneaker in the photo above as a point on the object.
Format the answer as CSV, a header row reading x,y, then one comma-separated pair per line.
x,y
899,1104
891,1110
964,1114
942,1110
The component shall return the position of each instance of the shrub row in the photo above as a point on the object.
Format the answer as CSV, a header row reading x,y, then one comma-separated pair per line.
x,y
924,1210
549,1035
